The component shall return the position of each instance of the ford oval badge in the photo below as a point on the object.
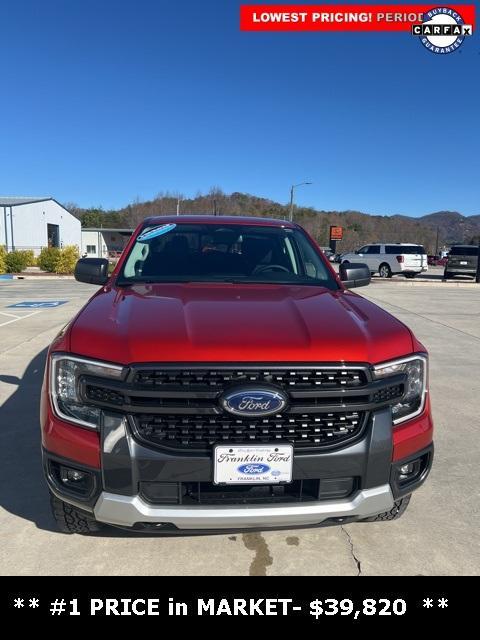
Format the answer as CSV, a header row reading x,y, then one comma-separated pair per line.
x,y
251,401
253,469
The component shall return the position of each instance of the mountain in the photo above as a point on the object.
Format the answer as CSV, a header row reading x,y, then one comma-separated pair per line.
x,y
359,228
453,226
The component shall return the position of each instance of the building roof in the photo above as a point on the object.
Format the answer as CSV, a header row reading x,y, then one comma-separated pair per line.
x,y
100,229
12,201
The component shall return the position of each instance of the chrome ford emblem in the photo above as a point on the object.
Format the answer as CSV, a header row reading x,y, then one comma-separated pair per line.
x,y
253,402
253,469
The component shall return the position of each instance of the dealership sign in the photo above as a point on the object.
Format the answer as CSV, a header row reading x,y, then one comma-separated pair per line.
x,y
336,233
440,29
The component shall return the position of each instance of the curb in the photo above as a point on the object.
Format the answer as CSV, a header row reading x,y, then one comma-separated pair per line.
x,y
45,277
426,283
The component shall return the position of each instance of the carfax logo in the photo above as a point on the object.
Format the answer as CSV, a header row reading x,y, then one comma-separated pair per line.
x,y
443,30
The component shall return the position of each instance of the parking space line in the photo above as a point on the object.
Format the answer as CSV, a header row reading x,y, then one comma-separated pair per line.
x,y
11,315
16,318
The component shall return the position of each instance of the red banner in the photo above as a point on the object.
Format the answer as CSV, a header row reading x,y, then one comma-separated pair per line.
x,y
331,17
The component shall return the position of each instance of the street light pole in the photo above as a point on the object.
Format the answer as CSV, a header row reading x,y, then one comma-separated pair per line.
x,y
477,276
292,190
178,206
291,203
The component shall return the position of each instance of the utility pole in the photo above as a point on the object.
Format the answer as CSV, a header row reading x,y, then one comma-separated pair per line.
x,y
291,204
214,206
436,245
477,277
178,206
292,190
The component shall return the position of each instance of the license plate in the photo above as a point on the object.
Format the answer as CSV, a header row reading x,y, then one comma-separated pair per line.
x,y
253,464
463,262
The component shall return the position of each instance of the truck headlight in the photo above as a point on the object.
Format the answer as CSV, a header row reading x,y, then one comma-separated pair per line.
x,y
412,402
65,372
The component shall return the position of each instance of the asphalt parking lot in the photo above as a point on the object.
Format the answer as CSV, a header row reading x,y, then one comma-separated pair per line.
x,y
438,535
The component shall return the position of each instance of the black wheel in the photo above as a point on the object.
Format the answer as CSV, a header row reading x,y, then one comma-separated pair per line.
x,y
345,262
398,509
384,271
69,519
410,275
447,275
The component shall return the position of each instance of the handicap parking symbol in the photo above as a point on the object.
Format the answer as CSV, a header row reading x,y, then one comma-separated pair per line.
x,y
37,304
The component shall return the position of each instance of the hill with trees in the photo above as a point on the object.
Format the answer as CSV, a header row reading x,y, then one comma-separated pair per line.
x,y
359,228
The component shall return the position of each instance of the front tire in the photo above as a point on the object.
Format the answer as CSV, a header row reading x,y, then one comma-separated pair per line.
x,y
384,271
398,509
69,519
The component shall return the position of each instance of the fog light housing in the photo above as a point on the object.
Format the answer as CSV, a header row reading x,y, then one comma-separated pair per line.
x,y
406,469
68,476
409,471
80,482
72,480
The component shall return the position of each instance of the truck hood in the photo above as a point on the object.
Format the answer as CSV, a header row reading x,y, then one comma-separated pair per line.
x,y
197,322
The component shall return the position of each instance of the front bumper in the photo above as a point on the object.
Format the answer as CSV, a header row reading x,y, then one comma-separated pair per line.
x,y
129,511
371,462
462,271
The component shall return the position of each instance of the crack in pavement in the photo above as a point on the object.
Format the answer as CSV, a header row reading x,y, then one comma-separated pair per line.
x,y
352,551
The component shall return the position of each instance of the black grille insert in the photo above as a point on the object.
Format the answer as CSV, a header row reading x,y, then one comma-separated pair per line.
x,y
388,393
201,432
288,378
198,493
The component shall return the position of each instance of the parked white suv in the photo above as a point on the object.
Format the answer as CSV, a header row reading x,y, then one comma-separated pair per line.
x,y
389,259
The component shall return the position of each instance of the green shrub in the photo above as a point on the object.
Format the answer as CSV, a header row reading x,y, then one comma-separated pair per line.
x,y
48,259
16,261
30,258
57,260
3,266
67,260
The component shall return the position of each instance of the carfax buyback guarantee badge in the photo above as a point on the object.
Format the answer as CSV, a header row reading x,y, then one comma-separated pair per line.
x,y
442,31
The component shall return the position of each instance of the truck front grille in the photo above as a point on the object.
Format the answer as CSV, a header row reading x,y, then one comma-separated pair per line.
x,y
180,407
200,432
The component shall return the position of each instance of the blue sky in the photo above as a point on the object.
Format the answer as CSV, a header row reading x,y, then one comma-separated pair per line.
x,y
104,102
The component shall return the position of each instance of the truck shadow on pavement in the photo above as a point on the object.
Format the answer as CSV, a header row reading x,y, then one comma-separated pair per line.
x,y
23,491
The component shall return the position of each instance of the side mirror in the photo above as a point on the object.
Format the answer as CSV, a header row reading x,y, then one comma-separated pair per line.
x,y
355,274
92,270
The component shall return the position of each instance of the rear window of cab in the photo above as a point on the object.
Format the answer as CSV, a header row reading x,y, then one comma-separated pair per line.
x,y
405,250
464,251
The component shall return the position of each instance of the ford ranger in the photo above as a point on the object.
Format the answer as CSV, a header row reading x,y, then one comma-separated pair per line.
x,y
224,377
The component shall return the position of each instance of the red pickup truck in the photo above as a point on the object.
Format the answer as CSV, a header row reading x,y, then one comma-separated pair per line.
x,y
225,378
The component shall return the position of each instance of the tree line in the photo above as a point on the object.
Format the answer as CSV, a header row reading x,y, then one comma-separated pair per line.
x,y
359,228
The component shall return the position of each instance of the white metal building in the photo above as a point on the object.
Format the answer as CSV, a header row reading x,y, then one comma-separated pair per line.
x,y
104,243
34,223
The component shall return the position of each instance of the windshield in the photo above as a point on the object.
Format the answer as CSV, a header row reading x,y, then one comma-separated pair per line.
x,y
224,253
464,251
